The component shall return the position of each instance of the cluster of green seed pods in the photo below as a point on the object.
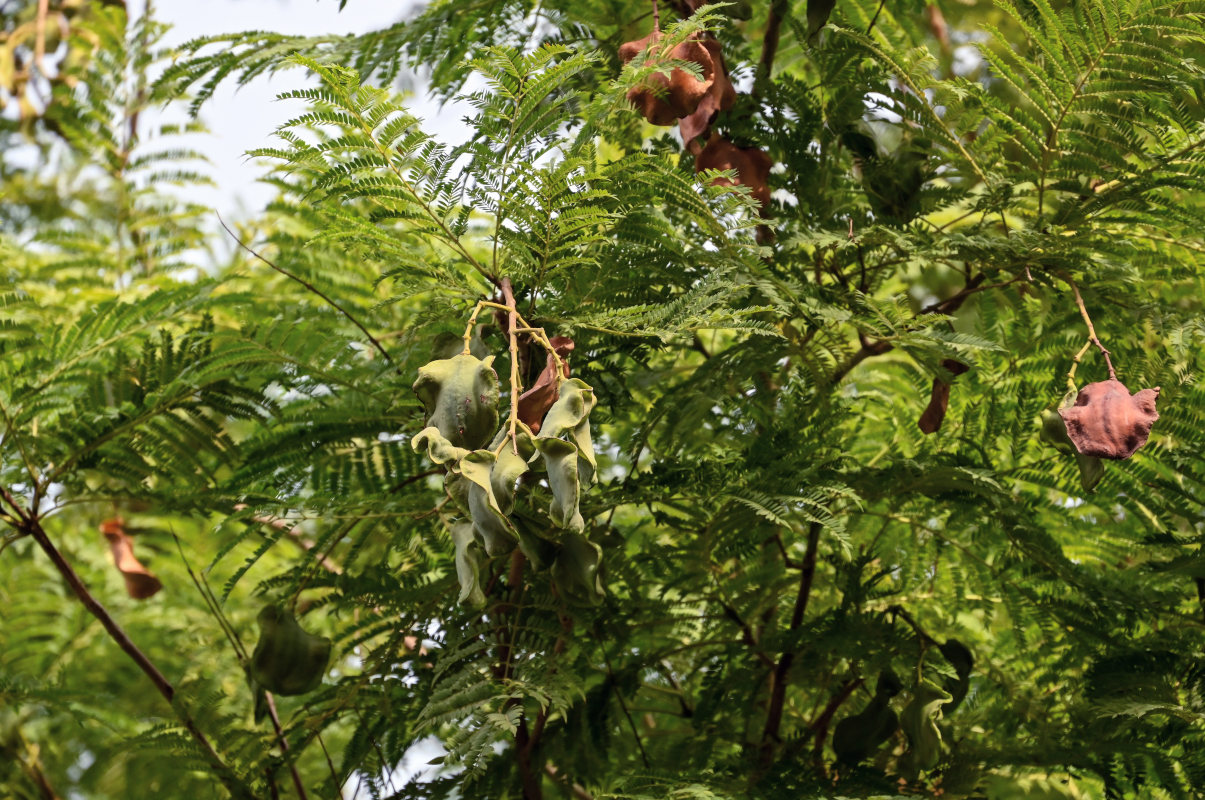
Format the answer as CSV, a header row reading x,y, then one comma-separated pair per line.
x,y
485,462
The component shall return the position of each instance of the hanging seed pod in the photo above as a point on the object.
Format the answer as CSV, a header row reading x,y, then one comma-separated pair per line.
x,y
939,398
287,660
857,736
719,98
919,721
752,167
460,395
141,583
535,402
1108,422
662,99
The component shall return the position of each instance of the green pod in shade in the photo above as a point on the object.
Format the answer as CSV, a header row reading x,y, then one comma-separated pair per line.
x,y
1054,433
919,721
287,660
963,661
857,736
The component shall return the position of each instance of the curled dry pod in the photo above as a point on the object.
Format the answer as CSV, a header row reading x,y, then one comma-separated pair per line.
x,y
287,660
141,583
1108,422
752,167
535,402
719,98
939,398
662,99
460,395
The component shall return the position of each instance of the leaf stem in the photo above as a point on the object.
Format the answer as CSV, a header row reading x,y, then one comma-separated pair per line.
x,y
1079,301
310,287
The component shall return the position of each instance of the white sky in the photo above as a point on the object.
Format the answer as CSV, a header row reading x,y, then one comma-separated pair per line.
x,y
245,119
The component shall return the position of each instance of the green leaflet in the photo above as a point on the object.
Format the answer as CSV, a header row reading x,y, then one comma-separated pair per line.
x,y
575,571
439,449
287,660
560,458
469,557
570,414
460,395
490,523
919,721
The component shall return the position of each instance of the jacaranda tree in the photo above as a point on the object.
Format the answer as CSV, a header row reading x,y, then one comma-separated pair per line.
x,y
777,399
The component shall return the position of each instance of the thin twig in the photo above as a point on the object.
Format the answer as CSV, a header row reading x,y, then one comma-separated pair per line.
x,y
34,527
644,756
782,671
875,18
284,745
512,323
1079,301
311,287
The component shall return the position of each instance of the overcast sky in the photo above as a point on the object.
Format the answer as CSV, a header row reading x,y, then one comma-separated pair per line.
x,y
245,119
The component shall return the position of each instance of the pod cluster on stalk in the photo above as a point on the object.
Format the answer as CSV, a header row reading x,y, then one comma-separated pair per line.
x,y
490,462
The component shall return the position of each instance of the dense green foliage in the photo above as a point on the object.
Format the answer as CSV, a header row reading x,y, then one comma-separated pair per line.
x,y
732,564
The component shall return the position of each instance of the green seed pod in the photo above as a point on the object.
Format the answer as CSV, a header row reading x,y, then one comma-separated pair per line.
x,y
460,395
287,660
919,721
575,571
857,736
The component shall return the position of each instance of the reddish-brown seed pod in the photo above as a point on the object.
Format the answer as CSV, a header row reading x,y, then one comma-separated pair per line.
x,y
752,167
662,99
140,581
1108,422
719,98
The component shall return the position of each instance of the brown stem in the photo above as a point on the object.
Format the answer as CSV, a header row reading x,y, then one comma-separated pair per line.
x,y
34,528
284,745
533,787
1079,301
578,791
779,678
512,324
875,18
311,287
769,47
656,17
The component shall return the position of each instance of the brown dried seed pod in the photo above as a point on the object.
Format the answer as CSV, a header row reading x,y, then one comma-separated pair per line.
x,y
662,99
1108,422
751,164
141,583
719,98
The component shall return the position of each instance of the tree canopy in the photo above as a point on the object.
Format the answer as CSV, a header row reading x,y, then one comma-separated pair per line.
x,y
754,404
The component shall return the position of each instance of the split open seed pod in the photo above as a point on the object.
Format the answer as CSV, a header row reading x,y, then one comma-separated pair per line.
x,y
1108,422
662,99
